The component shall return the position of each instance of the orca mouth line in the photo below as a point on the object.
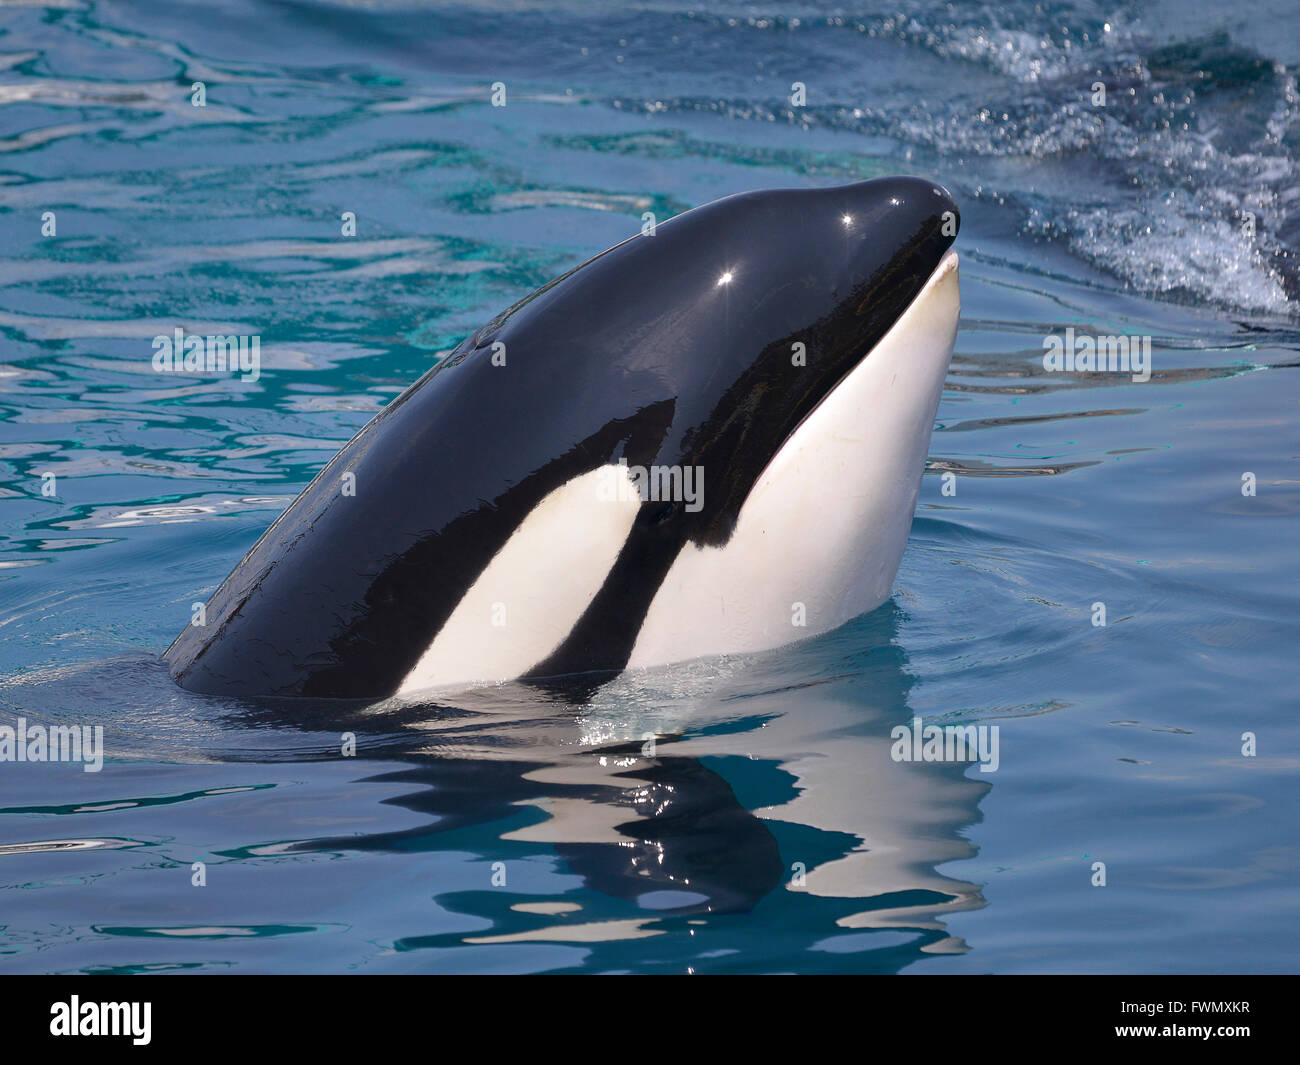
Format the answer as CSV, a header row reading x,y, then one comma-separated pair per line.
x,y
947,265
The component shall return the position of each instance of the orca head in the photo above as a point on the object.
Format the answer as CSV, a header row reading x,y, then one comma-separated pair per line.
x,y
787,347
805,338
796,288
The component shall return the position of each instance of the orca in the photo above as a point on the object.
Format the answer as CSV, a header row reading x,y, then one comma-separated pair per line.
x,y
781,353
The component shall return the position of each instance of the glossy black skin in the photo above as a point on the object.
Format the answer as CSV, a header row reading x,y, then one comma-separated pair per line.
x,y
640,353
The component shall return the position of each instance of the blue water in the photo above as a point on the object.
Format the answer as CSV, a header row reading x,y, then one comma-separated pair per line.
x,y
501,831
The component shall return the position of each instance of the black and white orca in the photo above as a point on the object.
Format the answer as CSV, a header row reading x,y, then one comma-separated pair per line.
x,y
775,359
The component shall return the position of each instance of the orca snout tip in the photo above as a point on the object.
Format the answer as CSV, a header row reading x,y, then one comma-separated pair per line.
x,y
911,197
940,203
922,190
947,206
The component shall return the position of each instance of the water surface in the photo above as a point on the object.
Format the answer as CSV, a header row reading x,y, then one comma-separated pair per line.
x,y
1120,744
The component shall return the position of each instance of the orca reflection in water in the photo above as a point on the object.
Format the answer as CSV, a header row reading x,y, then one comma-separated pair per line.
x,y
669,826
756,794
785,349
628,823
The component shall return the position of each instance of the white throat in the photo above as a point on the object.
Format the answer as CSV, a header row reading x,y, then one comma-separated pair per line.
x,y
820,538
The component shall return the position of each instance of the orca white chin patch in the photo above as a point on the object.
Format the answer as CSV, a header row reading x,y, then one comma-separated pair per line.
x,y
535,588
820,538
